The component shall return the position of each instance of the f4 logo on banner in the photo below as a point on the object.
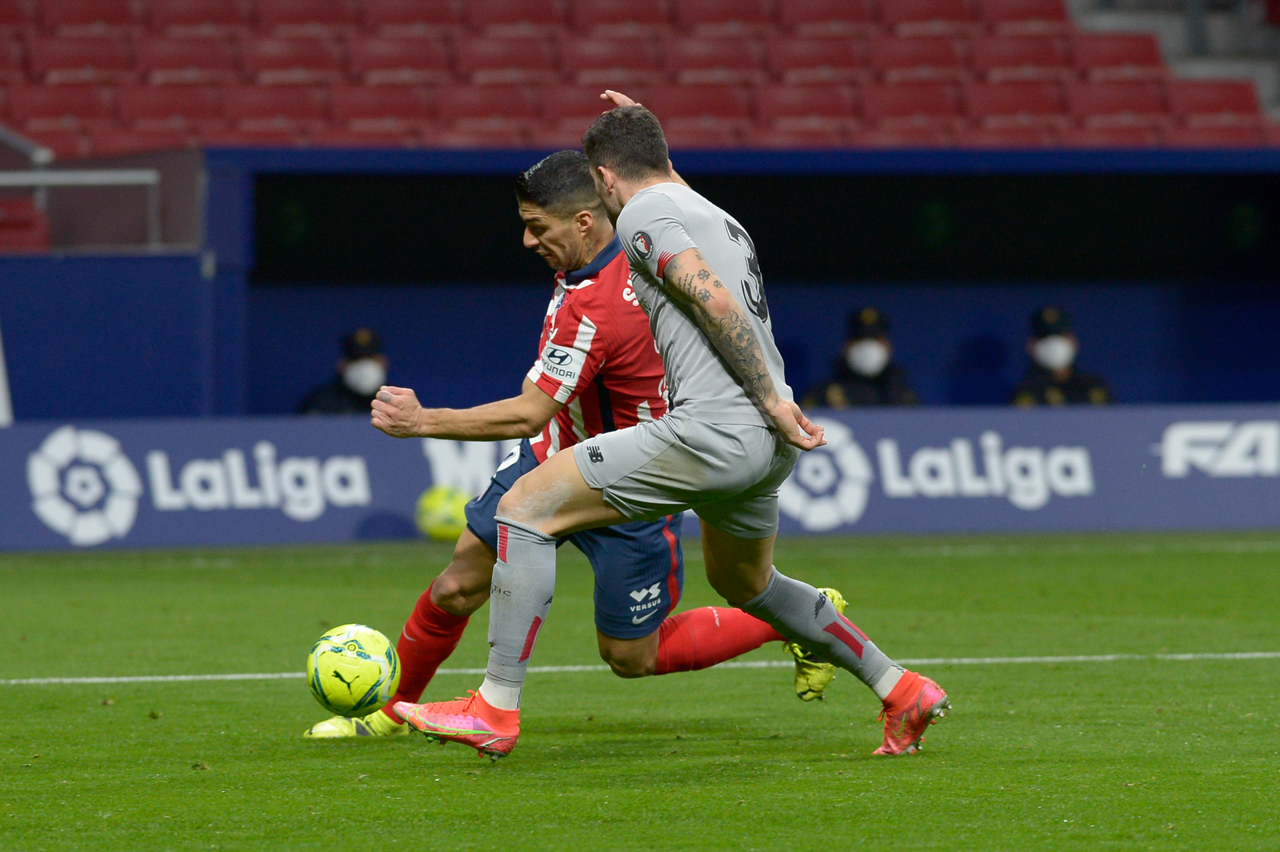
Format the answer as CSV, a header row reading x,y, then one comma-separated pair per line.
x,y
1221,448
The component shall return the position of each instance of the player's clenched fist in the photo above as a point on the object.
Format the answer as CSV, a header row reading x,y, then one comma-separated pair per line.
x,y
396,411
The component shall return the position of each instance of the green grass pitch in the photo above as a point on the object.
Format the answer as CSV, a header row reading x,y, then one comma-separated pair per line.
x,y
1136,753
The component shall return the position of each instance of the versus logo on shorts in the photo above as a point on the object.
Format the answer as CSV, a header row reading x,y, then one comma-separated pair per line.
x,y
643,244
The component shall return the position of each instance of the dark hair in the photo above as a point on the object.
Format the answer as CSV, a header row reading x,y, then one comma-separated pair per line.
x,y
628,140
560,184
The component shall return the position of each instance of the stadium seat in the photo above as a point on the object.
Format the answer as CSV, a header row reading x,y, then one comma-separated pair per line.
x,y
703,132
729,104
199,18
117,141
1271,134
294,62
305,18
274,111
13,70
89,17
795,138
817,60
399,61
515,18
157,108
398,109
571,109
59,61
619,18
900,137
17,18
1004,137
275,135
372,137
41,108
805,107
1209,136
1108,137
1117,104
907,105
486,61
411,18
1025,17
493,135
916,59
187,61
1117,56
1014,105
612,62
908,18
556,137
819,18
722,17
727,61
23,226
1214,102
484,108
67,143
1001,59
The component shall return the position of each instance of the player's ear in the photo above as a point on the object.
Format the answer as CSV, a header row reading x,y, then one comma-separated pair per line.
x,y
585,220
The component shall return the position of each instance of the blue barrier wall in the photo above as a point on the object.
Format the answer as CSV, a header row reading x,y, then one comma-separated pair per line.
x,y
265,480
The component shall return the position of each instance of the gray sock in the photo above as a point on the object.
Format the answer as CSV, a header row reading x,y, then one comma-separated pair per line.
x,y
524,580
805,616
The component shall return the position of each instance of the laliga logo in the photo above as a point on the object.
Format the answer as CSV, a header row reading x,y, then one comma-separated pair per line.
x,y
830,485
83,486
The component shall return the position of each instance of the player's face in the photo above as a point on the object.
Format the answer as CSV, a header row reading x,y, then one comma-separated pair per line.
x,y
560,242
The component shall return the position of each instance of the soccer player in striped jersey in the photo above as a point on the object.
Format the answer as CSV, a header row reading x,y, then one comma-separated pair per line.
x,y
597,371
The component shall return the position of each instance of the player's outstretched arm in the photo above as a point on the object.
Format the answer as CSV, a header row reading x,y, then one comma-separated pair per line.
x,y
690,278
397,412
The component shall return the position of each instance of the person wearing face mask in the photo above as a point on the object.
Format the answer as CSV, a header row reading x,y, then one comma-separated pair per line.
x,y
362,370
1052,378
865,373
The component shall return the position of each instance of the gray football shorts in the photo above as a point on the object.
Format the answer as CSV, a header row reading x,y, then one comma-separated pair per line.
x,y
729,474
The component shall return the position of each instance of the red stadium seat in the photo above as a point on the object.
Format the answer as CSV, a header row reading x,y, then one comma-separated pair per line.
x,y
1133,103
1222,136
275,110
728,61
1001,59
257,136
1020,104
39,108
722,17
116,141
910,18
188,61
158,108
1004,137
89,17
917,59
401,109
556,137
900,137
487,107
1214,102
495,135
17,18
1271,134
1108,137
404,18
911,105
1025,17
372,137
59,61
612,62
810,18
793,139
296,62
305,18
400,61
619,18
487,61
728,103
199,18
817,60
1118,56
67,143
807,107
704,132
515,18
23,226
571,109
13,70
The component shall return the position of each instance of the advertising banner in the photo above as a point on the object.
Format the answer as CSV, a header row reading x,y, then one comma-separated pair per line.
x,y
174,483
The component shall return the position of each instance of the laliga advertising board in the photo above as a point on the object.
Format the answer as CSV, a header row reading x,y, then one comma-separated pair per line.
x,y
252,481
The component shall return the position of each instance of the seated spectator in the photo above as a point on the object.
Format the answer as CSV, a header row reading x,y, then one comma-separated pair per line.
x,y
362,370
865,373
1052,378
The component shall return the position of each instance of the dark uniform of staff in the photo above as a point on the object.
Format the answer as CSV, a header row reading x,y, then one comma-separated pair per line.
x,y
1052,378
865,373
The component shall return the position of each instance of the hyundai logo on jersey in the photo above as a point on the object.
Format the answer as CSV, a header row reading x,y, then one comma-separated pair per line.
x,y
558,357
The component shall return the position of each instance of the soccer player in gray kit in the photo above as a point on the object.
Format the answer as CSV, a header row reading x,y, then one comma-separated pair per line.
x,y
730,438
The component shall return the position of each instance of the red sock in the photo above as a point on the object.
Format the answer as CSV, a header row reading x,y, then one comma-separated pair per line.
x,y
699,638
429,637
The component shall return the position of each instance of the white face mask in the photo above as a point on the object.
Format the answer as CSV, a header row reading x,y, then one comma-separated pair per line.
x,y
1054,352
867,357
365,376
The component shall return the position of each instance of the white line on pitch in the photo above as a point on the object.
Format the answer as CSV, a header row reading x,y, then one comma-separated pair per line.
x,y
762,664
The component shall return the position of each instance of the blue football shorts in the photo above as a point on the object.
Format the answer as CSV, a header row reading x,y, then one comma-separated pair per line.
x,y
639,566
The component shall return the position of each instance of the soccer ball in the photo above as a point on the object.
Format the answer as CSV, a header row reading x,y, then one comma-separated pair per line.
x,y
353,670
442,512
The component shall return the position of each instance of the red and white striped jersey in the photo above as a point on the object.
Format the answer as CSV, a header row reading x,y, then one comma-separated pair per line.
x,y
597,355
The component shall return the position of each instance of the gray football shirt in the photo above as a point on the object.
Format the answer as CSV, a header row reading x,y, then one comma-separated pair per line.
x,y
657,224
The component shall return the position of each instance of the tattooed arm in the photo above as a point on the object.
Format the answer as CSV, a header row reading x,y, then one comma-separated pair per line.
x,y
691,280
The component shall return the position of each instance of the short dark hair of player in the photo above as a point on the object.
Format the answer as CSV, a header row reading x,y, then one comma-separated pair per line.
x,y
559,184
629,141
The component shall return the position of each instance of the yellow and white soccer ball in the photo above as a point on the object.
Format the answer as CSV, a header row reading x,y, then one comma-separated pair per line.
x,y
441,513
353,670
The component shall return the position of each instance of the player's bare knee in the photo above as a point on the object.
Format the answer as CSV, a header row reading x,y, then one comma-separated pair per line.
x,y
459,593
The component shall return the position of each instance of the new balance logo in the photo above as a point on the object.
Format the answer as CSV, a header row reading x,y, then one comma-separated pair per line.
x,y
654,591
822,601
594,454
